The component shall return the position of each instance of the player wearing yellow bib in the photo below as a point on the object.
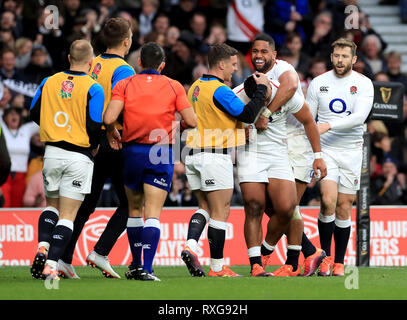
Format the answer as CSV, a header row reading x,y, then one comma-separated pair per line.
x,y
209,167
68,108
107,70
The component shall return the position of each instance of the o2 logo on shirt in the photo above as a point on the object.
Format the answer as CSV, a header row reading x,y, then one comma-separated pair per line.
x,y
60,115
338,106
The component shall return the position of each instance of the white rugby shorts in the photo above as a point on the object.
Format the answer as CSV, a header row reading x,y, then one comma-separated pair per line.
x,y
209,171
344,166
301,157
255,166
66,173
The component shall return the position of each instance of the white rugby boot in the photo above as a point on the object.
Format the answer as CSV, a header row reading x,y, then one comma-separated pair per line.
x,y
96,260
66,270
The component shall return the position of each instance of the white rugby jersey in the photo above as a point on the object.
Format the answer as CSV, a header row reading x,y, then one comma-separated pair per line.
x,y
245,19
279,67
276,132
343,102
18,144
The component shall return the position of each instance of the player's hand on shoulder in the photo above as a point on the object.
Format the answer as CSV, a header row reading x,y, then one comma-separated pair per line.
x,y
261,123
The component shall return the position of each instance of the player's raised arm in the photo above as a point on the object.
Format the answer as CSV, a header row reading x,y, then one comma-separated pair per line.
x,y
226,100
288,86
289,81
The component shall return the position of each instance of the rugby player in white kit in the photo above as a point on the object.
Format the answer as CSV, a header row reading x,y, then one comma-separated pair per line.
x,y
301,158
342,100
266,161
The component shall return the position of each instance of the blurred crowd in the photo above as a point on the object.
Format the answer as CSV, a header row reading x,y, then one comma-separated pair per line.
x,y
303,30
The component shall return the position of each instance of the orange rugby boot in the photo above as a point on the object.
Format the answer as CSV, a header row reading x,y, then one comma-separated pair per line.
x,y
49,272
38,263
325,267
286,270
338,270
192,262
225,272
265,260
258,271
312,262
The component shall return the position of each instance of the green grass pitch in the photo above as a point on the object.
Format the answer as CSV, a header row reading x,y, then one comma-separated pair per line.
x,y
382,283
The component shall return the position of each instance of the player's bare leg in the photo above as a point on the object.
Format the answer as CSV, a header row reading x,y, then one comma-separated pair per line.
x,y
254,199
196,226
295,235
219,208
154,201
342,230
284,199
296,227
326,222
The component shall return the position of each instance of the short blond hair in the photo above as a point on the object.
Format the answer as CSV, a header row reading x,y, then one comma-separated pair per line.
x,y
80,51
343,42
20,43
393,55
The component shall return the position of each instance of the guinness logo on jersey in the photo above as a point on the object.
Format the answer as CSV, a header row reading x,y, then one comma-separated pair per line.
x,y
386,94
323,89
